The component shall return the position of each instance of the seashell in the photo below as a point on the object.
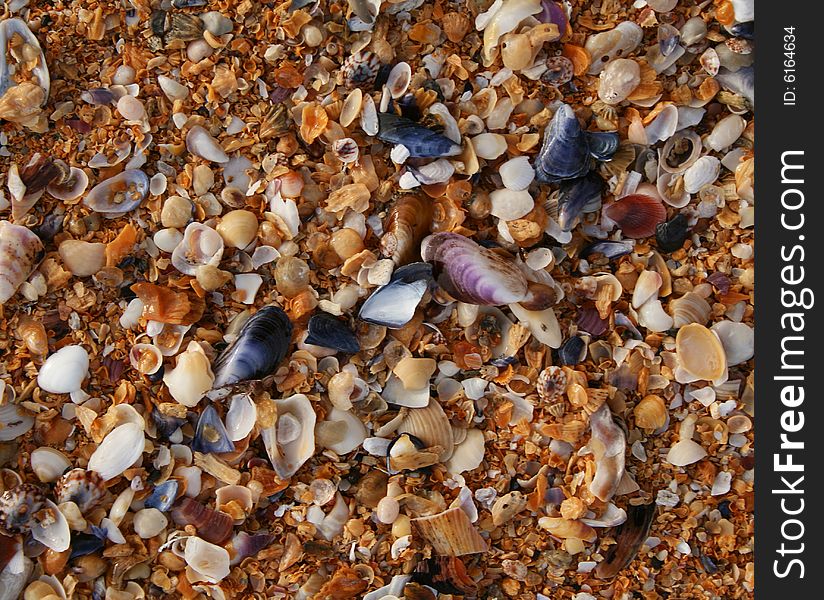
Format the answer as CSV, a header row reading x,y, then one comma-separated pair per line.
x,y
568,528
50,528
346,150
738,340
455,26
689,308
191,377
260,346
393,305
438,171
14,421
85,488
700,354
48,464
516,51
637,215
516,174
577,196
212,525
646,288
419,141
201,143
70,187
543,324
164,305
650,413
241,417
741,82
291,441
725,133
341,433
118,451
201,246
663,126
451,533
602,144
397,82
245,545
327,331
703,172
565,151
508,204
710,62
680,151
174,90
605,46
19,248
618,80
163,495
405,226
684,453
469,454
64,371
652,316
629,538
83,259
430,425
351,107
147,359
149,522
485,101
559,70
10,27
668,39
238,228
118,195
211,434
18,507
167,422
489,146
209,561
360,70
369,121
572,351
608,444
671,189
499,20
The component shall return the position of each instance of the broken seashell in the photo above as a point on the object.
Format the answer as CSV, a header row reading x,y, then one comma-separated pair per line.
x,y
19,248
208,561
201,143
290,442
618,80
191,377
451,533
608,444
703,172
201,245
118,451
568,528
241,417
430,425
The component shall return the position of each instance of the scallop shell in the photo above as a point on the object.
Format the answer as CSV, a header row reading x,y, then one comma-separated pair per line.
x,y
201,245
637,215
431,425
689,308
19,248
201,143
118,451
48,464
451,533
517,173
489,146
291,441
701,355
191,377
650,413
119,194
703,172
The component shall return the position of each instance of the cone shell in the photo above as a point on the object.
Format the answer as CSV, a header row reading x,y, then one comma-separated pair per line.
x,y
18,252
637,215
430,425
700,352
451,533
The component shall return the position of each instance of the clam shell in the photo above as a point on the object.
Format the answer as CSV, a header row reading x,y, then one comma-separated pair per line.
x,y
14,422
191,377
499,21
451,533
684,453
489,146
71,187
650,413
48,464
398,79
637,215
241,417
703,172
341,433
469,454
146,358
291,441
738,340
118,451
351,107
516,174
543,324
19,248
53,531
431,425
369,120
201,143
700,354
671,189
201,245
663,126
689,308
119,194
149,522
509,204
209,561
212,525
64,371
725,133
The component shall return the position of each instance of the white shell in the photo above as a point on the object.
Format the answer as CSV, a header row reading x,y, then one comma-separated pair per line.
x,y
369,116
173,89
517,173
450,124
149,522
248,285
18,252
663,125
150,364
689,308
619,41
543,324
64,371
48,464
646,287
209,561
118,451
509,204
192,377
489,145
725,133
201,245
703,172
685,452
167,239
201,143
738,340
652,316
467,455
394,392
351,107
55,535
398,79
289,447
241,417
438,171
662,185
14,421
353,430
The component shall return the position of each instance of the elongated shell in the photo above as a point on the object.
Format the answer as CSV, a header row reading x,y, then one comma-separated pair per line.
x,y
608,443
201,143
260,346
451,533
393,305
119,194
420,141
8,28
241,417
19,248
629,536
565,151
407,223
118,451
291,441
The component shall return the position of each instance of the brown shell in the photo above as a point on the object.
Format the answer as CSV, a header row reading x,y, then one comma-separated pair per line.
x,y
407,223
451,533
637,215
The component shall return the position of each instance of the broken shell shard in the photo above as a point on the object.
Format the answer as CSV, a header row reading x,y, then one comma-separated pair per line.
x,y
608,443
260,346
19,248
209,561
191,377
212,525
451,533
118,451
393,305
291,441
201,143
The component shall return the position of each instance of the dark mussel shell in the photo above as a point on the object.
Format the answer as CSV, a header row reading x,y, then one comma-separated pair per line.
x,y
553,12
393,305
603,144
213,526
327,331
572,351
87,543
565,151
211,434
260,346
743,30
165,425
420,141
609,249
637,215
578,196
672,234
188,3
163,495
629,536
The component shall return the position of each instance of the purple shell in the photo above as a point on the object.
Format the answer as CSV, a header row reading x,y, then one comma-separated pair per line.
x,y
473,274
590,321
553,12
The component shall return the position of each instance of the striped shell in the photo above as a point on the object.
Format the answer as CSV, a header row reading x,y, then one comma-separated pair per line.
x,y
360,69
19,248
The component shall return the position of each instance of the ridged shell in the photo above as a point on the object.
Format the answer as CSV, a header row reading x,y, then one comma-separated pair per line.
x,y
119,194
19,248
689,308
637,215
431,426
703,172
517,173
118,451
212,525
650,413
451,533
17,507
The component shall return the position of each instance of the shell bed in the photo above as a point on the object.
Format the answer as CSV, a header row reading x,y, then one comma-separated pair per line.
x,y
400,299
